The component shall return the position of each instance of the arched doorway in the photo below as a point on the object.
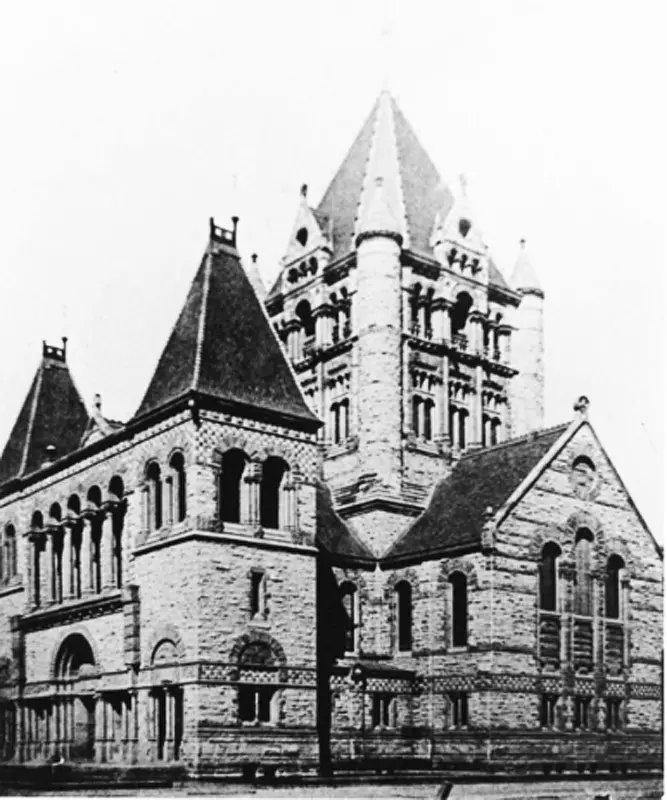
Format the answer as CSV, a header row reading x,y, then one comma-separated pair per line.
x,y
75,660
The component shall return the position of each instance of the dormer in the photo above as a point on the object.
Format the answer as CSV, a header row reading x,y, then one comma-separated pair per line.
x,y
309,246
457,240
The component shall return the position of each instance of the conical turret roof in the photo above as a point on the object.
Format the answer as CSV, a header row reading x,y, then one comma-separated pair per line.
x,y
524,277
223,347
51,422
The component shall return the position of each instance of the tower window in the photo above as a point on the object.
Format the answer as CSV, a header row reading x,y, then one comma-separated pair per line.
x,y
273,473
230,482
178,486
8,569
302,236
613,713
464,227
257,593
154,496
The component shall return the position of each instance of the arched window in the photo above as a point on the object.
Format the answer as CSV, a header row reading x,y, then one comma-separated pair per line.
x,y
116,491
615,567
154,496
307,330
583,589
73,518
94,502
230,485
429,406
403,594
178,487
9,553
549,577
36,526
459,313
349,599
462,424
56,553
273,472
459,609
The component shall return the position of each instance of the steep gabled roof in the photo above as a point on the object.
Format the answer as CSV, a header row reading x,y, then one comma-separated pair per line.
x,y
333,534
52,416
222,345
484,479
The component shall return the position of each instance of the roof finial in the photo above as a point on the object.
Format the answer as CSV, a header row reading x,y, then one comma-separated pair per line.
x,y
235,225
253,258
385,45
304,190
581,406
522,244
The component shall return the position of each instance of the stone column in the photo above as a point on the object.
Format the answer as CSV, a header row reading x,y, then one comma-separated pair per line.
x,y
48,595
86,557
250,493
625,605
477,410
67,562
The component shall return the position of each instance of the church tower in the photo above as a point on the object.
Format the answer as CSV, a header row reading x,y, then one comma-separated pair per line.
x,y
398,325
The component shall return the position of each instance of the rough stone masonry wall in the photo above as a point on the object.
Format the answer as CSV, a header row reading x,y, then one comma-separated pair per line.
x,y
552,511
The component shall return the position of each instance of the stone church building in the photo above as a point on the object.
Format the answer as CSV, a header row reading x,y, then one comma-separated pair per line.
x,y
335,533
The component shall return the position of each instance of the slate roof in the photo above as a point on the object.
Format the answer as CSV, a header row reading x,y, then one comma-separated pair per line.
x,y
333,534
222,345
486,478
52,414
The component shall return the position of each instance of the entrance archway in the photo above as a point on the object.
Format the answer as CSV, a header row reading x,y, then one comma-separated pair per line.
x,y
75,660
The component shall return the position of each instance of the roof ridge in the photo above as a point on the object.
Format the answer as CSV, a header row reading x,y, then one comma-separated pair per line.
x,y
201,325
525,437
31,419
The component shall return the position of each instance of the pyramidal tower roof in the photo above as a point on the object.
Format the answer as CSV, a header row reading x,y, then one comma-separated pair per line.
x,y
222,345
386,147
524,277
51,422
413,191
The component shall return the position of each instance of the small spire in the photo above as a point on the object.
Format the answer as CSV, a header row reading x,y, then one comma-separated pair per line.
x,y
524,277
253,257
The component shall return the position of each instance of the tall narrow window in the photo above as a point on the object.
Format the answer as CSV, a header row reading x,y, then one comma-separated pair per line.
x,y
273,472
154,497
257,593
416,414
36,526
383,710
229,492
548,577
582,706
459,609
177,465
117,491
10,552
56,555
428,419
462,428
583,590
348,592
403,593
613,587
613,713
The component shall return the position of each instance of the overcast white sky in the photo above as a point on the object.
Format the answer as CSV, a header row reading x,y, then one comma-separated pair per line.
x,y
125,125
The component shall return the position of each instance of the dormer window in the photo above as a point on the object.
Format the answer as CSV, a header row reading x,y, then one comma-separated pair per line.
x,y
302,236
464,227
